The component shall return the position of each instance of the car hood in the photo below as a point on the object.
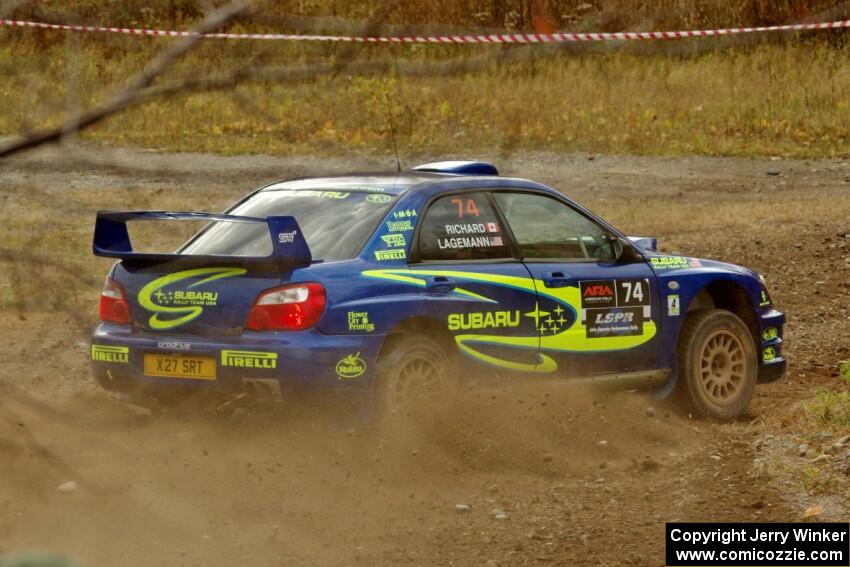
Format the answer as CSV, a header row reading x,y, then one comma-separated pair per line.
x,y
669,263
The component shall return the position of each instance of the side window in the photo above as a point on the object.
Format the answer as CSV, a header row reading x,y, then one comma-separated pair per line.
x,y
462,227
546,228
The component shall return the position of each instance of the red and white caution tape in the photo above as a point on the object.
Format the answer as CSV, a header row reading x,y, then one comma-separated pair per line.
x,y
454,39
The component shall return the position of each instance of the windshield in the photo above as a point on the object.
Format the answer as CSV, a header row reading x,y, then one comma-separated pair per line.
x,y
335,223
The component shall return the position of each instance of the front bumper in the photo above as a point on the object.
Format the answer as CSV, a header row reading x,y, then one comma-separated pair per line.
x,y
307,360
773,365
773,371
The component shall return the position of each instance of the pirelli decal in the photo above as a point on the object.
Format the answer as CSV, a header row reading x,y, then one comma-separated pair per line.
x,y
117,354
248,359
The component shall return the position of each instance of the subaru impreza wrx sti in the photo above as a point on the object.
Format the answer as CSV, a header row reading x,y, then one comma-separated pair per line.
x,y
371,288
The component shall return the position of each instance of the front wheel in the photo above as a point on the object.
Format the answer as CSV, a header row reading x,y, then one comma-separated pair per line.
x,y
717,364
416,371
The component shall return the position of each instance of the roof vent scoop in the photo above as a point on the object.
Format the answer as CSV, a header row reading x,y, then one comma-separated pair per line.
x,y
459,167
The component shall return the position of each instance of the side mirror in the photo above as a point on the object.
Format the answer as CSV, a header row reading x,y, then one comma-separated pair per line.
x,y
628,253
645,242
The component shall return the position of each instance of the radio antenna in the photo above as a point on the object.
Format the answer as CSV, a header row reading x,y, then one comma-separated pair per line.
x,y
392,132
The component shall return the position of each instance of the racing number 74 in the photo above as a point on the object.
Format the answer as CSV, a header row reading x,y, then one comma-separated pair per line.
x,y
633,291
471,207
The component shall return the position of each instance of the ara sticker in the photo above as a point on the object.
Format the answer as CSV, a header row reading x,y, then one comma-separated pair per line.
x,y
104,353
598,294
673,306
351,366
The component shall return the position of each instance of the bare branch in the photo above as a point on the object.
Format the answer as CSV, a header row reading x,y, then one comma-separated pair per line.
x,y
129,94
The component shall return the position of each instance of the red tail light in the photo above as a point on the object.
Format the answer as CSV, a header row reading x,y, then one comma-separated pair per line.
x,y
113,303
287,308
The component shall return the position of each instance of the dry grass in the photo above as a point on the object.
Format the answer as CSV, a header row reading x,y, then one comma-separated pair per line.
x,y
606,15
791,100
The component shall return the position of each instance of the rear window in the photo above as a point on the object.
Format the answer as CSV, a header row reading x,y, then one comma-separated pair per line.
x,y
335,223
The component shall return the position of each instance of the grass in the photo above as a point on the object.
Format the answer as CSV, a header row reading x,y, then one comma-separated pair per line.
x,y
605,15
788,100
829,409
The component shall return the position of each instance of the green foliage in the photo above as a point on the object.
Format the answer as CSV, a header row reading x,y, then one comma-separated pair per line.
x,y
844,371
829,408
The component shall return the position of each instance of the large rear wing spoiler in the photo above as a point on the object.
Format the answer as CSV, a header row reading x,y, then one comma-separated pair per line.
x,y
112,240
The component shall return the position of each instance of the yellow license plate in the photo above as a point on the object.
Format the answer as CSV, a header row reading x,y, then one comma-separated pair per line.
x,y
179,366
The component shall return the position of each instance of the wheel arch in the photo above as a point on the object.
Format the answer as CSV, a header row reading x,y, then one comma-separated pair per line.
x,y
416,325
732,296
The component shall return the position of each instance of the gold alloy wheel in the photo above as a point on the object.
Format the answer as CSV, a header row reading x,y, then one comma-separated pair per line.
x,y
723,367
417,379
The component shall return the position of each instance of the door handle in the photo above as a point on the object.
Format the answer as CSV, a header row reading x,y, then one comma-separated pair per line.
x,y
556,279
440,284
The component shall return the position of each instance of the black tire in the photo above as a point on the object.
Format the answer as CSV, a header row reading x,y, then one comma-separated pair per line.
x,y
718,367
414,373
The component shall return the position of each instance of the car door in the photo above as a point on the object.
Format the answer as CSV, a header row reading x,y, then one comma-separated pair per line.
x,y
476,288
598,314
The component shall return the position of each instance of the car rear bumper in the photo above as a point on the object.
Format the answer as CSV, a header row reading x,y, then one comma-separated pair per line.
x,y
307,360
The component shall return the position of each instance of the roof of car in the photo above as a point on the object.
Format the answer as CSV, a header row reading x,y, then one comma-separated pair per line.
x,y
390,183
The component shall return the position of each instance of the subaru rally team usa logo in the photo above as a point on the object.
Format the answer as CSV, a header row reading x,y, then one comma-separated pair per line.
x,y
173,303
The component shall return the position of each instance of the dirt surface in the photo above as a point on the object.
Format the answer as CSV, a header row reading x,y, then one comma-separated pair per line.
x,y
580,477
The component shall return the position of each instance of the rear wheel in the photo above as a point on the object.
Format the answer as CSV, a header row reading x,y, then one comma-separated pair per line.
x,y
414,374
717,364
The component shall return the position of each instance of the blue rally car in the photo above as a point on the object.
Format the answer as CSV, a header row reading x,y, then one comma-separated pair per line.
x,y
376,288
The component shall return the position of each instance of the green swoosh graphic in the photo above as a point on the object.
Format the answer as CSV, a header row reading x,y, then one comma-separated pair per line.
x,y
189,312
573,339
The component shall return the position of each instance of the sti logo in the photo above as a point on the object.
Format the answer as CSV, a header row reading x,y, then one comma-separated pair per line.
x,y
598,291
287,237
